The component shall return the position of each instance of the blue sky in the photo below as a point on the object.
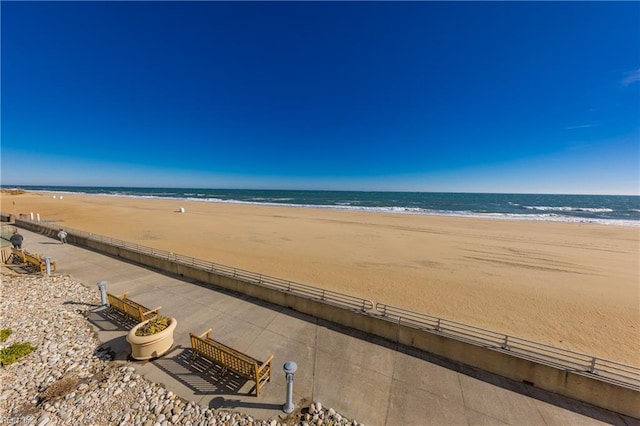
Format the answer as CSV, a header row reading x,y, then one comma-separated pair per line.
x,y
537,97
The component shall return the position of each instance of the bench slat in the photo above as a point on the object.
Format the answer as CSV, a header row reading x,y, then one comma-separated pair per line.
x,y
130,308
34,259
242,364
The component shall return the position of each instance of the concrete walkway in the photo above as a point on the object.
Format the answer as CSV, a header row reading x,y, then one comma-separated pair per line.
x,y
363,378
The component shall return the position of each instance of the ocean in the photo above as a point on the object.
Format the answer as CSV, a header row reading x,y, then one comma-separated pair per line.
x,y
603,209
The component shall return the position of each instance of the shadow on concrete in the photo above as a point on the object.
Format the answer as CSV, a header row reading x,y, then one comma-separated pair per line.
x,y
522,388
71,302
106,318
23,268
206,377
201,375
222,402
118,349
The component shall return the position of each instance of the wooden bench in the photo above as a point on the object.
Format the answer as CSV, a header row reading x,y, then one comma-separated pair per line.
x,y
6,254
131,308
35,260
244,365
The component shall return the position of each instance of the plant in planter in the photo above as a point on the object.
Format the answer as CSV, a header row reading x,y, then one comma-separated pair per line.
x,y
156,325
152,338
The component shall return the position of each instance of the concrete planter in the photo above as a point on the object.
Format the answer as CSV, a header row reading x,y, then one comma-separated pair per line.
x,y
153,346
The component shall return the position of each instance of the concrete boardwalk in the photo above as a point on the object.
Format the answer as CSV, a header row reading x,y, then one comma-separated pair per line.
x,y
363,378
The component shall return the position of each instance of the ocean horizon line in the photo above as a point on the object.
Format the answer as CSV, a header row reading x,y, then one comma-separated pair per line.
x,y
34,188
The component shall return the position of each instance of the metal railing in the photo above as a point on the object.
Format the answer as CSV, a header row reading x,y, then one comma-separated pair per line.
x,y
310,292
6,230
565,359
327,296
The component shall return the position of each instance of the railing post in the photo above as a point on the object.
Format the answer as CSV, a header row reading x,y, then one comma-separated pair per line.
x,y
438,324
505,344
592,367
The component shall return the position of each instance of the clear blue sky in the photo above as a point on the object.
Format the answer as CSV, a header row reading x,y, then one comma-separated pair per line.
x,y
422,96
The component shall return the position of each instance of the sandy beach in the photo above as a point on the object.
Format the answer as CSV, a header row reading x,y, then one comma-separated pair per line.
x,y
572,285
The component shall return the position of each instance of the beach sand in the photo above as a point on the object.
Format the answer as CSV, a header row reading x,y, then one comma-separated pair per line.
x,y
572,285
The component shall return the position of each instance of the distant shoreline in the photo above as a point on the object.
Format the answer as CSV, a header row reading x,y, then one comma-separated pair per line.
x,y
598,209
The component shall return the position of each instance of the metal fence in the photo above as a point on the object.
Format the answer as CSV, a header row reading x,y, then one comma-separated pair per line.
x,y
564,359
6,231
607,370
331,297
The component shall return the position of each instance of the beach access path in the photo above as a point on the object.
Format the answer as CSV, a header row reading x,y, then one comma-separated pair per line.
x,y
361,377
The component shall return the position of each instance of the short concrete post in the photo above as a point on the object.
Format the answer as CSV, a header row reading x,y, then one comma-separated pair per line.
x,y
102,285
290,368
38,216
47,262
31,215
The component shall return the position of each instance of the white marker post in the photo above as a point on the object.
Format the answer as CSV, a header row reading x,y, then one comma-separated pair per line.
x,y
290,368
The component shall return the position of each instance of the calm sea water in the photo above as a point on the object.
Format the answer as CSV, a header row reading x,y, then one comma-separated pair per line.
x,y
606,209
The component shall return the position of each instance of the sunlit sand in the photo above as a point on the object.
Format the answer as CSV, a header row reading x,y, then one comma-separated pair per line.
x,y
572,285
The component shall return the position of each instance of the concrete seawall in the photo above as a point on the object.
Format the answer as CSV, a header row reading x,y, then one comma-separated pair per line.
x,y
576,384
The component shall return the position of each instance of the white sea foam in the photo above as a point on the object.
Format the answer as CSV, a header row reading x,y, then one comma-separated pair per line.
x,y
569,209
544,217
548,217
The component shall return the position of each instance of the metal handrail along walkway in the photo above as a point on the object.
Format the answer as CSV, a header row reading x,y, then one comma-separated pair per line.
x,y
603,369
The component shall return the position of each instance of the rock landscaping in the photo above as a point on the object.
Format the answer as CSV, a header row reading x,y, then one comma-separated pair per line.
x,y
69,380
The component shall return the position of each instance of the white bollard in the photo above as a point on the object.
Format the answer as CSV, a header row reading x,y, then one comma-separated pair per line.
x,y
38,215
31,214
289,368
181,209
102,286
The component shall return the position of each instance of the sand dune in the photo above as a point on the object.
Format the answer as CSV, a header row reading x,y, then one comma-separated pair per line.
x,y
568,284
